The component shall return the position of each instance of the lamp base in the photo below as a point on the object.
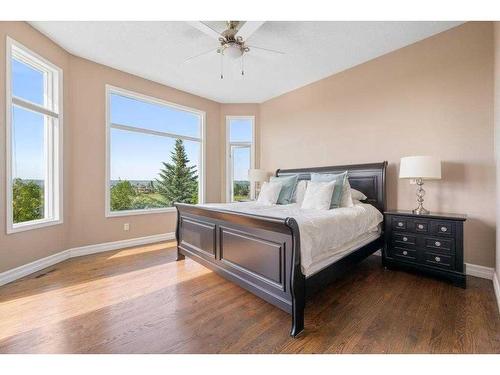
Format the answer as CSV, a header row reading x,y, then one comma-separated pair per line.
x,y
421,211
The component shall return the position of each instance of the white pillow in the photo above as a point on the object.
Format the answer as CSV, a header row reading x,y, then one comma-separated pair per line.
x,y
300,190
357,195
346,200
318,195
269,193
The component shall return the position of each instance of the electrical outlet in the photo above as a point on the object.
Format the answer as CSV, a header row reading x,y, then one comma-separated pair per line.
x,y
126,227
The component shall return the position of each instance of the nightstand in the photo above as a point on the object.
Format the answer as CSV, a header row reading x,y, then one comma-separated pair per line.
x,y
433,244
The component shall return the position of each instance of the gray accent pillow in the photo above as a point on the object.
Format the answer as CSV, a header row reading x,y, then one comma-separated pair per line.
x,y
288,187
339,179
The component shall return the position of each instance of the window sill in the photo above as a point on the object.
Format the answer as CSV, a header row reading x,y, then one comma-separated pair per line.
x,y
140,212
32,225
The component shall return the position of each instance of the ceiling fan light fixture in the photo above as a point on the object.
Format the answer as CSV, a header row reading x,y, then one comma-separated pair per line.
x,y
233,50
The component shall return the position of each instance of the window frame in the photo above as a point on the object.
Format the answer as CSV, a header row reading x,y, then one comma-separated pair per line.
x,y
109,90
53,141
229,144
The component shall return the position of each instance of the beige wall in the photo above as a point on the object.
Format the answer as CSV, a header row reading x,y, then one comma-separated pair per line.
x,y
84,155
497,134
431,98
23,247
87,115
236,110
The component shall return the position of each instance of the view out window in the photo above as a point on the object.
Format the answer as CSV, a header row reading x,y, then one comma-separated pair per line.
x,y
34,127
154,154
240,157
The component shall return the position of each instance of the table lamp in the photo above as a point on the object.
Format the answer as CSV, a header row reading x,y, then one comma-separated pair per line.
x,y
256,176
420,168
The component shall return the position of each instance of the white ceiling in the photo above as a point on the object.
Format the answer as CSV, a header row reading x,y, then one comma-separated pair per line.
x,y
314,50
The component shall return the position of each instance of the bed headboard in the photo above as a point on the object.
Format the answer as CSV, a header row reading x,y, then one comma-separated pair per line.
x,y
367,178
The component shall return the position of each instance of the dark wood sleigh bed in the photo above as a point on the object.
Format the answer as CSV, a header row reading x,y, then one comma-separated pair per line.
x,y
262,254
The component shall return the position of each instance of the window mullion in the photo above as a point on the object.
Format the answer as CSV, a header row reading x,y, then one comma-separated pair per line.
x,y
153,132
33,107
48,168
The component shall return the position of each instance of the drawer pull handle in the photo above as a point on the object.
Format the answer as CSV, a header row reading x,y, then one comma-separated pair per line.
x,y
405,239
438,259
437,243
405,252
420,226
444,229
400,224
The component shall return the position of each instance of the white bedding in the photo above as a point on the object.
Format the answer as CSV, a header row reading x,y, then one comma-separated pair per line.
x,y
325,235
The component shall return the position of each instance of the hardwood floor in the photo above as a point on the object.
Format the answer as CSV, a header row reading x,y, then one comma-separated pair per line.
x,y
140,300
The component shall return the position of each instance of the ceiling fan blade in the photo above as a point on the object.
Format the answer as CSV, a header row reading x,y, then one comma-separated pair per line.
x,y
204,28
267,50
248,28
200,54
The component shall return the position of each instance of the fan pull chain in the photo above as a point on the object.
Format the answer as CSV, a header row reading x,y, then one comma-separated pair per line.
x,y
221,65
243,64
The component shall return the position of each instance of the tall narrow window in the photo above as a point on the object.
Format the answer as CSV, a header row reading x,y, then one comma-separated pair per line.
x,y
240,157
154,153
34,135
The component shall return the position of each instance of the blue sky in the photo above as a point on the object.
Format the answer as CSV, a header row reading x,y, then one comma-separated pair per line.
x,y
27,126
134,156
139,156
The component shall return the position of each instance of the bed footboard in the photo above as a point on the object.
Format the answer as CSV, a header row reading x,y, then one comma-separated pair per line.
x,y
260,254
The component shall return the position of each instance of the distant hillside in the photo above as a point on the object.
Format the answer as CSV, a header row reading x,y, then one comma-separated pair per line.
x,y
133,182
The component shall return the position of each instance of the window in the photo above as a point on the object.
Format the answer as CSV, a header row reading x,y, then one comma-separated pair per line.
x,y
239,156
154,154
34,140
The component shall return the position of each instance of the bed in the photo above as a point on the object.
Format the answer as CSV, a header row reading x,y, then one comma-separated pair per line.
x,y
260,249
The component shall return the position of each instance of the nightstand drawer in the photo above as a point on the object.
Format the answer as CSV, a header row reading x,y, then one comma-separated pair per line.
x,y
439,244
410,225
404,240
442,228
438,260
421,226
402,253
400,223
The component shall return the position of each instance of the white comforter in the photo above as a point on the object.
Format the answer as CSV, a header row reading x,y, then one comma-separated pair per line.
x,y
321,232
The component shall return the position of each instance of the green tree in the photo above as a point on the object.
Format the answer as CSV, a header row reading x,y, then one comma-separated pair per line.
x,y
151,186
122,196
27,201
143,201
241,190
178,181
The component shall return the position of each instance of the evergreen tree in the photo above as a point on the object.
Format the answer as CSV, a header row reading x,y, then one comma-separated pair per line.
x,y
178,181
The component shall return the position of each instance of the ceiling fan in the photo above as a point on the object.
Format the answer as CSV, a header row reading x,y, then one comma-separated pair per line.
x,y
232,41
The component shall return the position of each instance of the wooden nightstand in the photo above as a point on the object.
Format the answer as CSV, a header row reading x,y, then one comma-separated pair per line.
x,y
429,243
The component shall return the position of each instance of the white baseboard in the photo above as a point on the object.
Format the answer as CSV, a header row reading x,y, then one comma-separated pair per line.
x,y
471,269
37,265
496,287
480,271
115,245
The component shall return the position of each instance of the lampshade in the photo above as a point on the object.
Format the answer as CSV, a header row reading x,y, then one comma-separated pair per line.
x,y
257,175
425,167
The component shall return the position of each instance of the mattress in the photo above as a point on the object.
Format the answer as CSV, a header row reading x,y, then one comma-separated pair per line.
x,y
340,252
325,235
